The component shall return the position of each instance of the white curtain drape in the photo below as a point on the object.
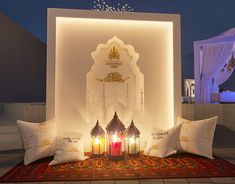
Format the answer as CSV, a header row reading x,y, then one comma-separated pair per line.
x,y
213,59
221,77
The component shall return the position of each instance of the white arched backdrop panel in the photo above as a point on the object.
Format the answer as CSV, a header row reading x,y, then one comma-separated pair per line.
x,y
74,34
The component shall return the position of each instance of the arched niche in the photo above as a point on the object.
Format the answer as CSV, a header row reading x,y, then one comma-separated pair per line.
x,y
115,83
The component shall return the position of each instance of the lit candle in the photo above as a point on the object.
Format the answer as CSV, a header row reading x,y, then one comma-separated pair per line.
x,y
132,145
116,146
98,145
133,139
97,140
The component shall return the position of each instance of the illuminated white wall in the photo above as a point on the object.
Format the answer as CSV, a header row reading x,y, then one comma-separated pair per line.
x,y
74,34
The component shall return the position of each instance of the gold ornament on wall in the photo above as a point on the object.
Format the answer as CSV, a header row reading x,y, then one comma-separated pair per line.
x,y
114,54
113,77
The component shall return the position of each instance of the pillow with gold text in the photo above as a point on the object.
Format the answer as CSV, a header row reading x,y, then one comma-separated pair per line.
x,y
197,136
38,139
163,143
69,148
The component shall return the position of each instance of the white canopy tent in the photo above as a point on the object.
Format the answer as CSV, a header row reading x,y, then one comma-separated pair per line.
x,y
213,64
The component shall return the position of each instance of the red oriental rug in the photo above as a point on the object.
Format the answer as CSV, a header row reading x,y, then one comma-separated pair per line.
x,y
142,167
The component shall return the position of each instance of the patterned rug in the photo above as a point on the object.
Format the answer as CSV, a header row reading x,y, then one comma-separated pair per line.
x,y
142,167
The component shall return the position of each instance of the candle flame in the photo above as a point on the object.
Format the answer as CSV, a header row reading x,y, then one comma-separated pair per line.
x,y
97,140
132,140
115,138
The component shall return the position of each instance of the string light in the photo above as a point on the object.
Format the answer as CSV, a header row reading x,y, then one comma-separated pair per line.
x,y
101,5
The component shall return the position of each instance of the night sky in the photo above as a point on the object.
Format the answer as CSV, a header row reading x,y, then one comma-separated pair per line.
x,y
200,19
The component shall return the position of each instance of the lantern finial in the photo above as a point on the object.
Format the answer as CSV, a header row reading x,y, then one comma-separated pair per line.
x,y
97,130
115,115
132,123
132,129
115,124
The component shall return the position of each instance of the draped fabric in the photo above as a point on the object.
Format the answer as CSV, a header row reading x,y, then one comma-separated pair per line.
x,y
213,59
221,76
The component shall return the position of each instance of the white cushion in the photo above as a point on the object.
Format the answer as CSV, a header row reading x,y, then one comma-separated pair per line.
x,y
69,149
38,139
197,136
163,142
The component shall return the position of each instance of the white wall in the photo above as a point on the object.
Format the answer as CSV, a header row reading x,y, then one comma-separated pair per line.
x,y
74,34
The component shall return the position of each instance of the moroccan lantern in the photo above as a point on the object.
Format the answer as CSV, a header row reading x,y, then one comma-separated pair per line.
x,y
97,140
116,139
133,140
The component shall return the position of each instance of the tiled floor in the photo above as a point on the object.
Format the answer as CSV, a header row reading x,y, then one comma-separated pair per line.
x,y
224,146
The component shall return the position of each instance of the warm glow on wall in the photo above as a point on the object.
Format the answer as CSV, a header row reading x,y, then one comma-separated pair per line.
x,y
106,22
76,34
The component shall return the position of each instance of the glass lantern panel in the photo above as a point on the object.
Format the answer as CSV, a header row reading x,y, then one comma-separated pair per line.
x,y
98,145
133,145
116,144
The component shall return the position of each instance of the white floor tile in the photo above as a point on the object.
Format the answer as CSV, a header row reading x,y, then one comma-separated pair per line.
x,y
28,182
200,183
127,182
178,180
199,180
53,182
103,182
151,182
174,182
223,180
77,182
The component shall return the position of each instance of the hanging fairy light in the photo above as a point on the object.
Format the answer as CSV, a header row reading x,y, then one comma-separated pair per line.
x,y
101,5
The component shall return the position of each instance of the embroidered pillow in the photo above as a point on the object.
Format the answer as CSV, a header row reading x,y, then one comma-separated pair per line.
x,y
38,139
68,149
163,142
197,136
